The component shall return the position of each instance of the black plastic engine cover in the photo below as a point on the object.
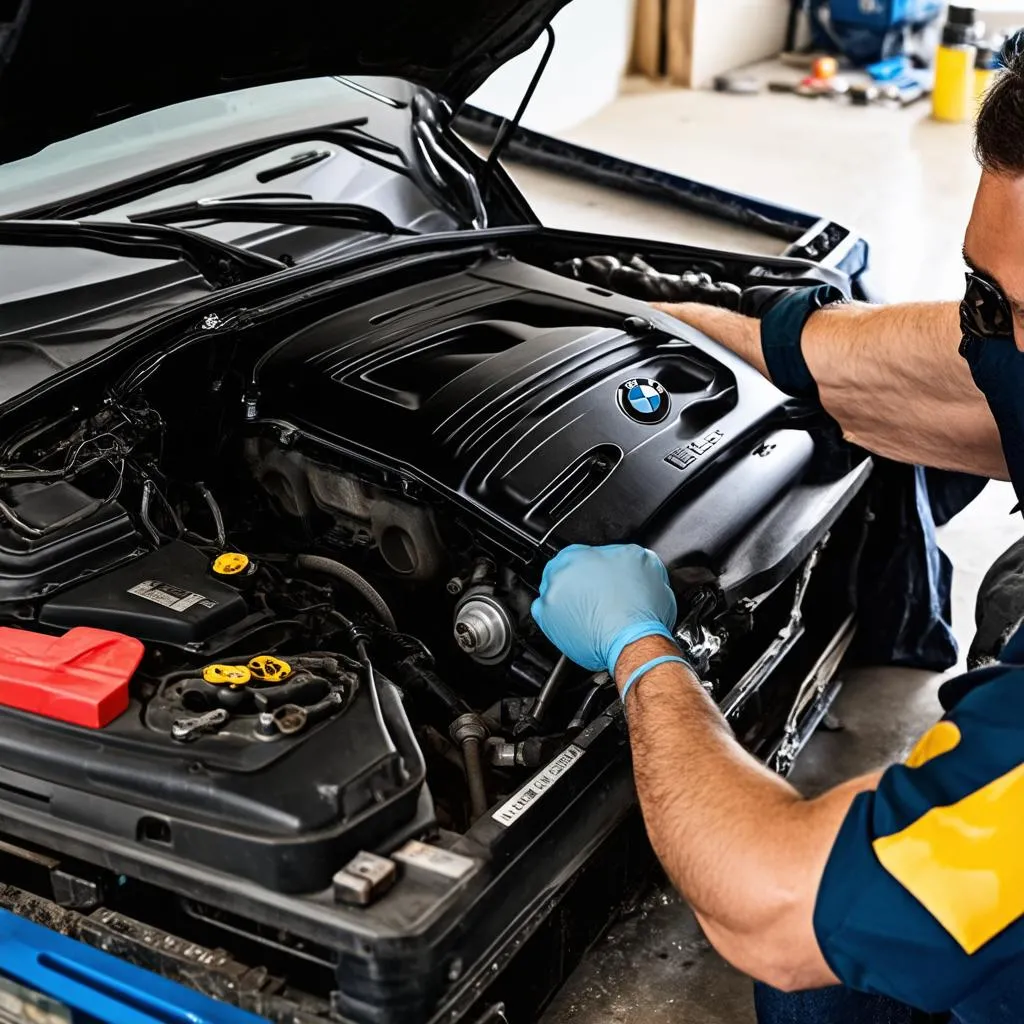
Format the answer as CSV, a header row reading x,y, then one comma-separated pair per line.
x,y
282,814
91,542
167,596
506,389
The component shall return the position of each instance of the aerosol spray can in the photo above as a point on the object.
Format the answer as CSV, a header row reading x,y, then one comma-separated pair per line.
x,y
953,93
985,65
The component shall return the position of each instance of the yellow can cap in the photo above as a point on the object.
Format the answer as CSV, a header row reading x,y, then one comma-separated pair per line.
x,y
269,669
231,563
227,675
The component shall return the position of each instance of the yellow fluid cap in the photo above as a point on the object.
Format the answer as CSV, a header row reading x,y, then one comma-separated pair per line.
x,y
231,563
227,675
269,669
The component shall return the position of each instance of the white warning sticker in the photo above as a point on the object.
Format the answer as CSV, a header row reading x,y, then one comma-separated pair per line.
x,y
517,804
173,598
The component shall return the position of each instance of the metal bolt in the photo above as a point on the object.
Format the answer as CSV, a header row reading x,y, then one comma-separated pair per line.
x,y
482,629
468,726
638,325
465,637
454,586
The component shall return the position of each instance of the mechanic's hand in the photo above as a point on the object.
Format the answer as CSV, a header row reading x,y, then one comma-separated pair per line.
x,y
596,601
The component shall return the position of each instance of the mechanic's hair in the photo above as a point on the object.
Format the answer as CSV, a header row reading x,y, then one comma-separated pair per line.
x,y
999,133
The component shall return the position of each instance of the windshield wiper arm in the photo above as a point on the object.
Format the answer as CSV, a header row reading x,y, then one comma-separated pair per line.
x,y
286,208
346,135
219,263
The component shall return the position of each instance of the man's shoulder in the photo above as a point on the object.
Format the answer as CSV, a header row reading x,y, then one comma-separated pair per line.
x,y
923,896
978,744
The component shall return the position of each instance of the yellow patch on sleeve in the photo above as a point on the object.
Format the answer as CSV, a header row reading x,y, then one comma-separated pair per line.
x,y
963,862
938,740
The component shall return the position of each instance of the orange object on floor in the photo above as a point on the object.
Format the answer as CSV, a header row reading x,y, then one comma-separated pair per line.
x,y
80,678
825,67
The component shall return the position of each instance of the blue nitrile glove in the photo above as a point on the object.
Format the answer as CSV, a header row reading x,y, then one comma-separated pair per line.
x,y
594,602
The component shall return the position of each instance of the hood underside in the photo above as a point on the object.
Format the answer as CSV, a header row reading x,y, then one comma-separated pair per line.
x,y
66,68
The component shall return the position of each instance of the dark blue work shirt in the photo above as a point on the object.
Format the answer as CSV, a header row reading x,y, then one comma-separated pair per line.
x,y
922,899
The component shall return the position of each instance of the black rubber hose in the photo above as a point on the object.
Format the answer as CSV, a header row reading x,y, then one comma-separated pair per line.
x,y
579,720
473,760
533,721
551,688
440,691
342,573
411,666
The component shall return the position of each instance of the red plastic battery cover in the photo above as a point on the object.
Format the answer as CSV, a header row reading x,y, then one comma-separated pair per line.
x,y
80,677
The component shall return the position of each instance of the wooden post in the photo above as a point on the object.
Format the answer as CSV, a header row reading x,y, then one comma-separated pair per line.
x,y
648,38
679,22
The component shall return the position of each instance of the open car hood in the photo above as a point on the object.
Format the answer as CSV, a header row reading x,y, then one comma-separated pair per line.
x,y
66,68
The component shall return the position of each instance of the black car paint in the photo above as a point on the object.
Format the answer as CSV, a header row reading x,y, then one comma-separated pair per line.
x,y
61,306
203,49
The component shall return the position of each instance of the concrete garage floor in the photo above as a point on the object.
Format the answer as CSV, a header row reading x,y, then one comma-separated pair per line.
x,y
906,183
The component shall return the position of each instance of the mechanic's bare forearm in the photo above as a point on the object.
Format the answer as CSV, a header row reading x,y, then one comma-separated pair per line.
x,y
891,376
884,366
739,843
738,333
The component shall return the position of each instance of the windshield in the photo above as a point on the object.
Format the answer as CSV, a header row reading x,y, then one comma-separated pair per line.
x,y
137,145
290,188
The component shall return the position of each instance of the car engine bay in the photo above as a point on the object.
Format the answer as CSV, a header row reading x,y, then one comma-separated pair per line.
x,y
292,556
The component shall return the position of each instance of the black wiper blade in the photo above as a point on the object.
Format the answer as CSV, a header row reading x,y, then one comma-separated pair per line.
x,y
219,263
287,208
346,135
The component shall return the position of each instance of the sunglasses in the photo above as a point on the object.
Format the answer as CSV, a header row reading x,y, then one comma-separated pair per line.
x,y
985,311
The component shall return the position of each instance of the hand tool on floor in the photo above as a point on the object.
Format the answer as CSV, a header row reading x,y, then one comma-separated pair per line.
x,y
744,85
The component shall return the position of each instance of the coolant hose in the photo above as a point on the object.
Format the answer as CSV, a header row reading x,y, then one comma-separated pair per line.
x,y
469,732
472,756
342,573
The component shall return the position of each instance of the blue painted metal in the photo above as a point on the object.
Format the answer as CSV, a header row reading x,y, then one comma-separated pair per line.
x,y
96,984
867,31
809,236
528,146
885,14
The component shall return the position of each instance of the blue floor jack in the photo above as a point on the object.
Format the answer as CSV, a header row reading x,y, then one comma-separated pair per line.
x,y
47,978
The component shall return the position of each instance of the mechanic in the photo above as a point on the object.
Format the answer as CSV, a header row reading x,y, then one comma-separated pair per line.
x,y
900,894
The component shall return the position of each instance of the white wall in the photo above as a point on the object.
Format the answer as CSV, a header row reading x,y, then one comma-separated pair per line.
x,y
730,33
593,39
1002,15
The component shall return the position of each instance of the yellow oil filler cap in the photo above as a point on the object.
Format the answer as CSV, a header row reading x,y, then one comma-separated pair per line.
x,y
231,563
227,675
269,669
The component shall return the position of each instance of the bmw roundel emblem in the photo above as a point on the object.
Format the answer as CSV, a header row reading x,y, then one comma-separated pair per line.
x,y
643,400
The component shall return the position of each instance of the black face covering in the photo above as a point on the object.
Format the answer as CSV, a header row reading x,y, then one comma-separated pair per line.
x,y
998,369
